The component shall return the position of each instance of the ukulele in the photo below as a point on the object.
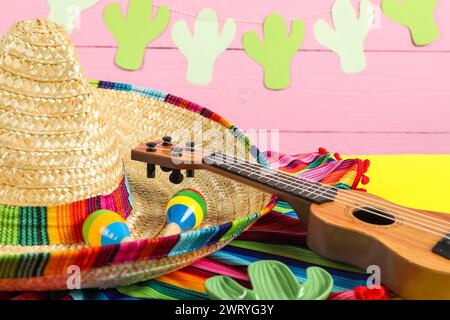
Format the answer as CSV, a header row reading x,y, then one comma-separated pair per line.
x,y
411,247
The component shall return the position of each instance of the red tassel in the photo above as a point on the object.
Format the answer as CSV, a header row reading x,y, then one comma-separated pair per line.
x,y
365,179
366,164
375,293
322,151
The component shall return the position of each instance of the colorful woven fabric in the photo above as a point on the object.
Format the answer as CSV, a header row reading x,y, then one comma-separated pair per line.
x,y
28,226
278,235
322,166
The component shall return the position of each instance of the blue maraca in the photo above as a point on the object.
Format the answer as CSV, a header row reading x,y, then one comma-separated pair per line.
x,y
185,211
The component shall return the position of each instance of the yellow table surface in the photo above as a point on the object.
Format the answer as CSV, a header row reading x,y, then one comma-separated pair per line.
x,y
415,181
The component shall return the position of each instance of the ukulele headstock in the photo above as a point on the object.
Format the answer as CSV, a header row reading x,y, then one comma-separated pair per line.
x,y
170,157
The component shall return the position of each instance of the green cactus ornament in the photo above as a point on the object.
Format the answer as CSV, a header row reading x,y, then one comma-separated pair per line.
x,y
67,12
202,48
276,51
350,31
134,31
416,15
272,280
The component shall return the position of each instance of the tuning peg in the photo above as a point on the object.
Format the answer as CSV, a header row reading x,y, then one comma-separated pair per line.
x,y
176,151
167,141
176,177
189,173
190,145
165,169
151,146
151,170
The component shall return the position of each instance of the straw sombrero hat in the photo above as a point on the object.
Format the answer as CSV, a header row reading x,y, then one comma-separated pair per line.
x,y
65,152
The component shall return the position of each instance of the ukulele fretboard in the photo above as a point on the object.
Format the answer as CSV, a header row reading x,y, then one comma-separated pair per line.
x,y
308,190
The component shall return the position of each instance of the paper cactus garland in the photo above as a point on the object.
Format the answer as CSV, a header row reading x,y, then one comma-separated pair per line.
x,y
67,12
272,280
204,45
275,52
134,30
416,15
350,31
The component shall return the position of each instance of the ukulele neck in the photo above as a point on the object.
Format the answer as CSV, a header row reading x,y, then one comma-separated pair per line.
x,y
269,180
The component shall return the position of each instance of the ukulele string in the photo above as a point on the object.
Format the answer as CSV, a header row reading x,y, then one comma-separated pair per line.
x,y
292,178
385,205
415,213
325,189
314,184
337,199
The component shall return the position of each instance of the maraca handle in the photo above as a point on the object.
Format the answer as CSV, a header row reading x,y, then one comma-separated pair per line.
x,y
172,229
126,239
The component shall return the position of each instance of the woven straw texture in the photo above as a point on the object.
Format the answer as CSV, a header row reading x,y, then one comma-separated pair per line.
x,y
65,141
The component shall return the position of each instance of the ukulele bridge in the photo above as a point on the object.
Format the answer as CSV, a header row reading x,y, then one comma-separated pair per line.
x,y
442,248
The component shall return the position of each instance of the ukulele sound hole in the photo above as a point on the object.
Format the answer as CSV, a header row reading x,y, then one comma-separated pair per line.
x,y
374,216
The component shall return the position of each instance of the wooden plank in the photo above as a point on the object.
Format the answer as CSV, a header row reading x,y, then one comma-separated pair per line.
x,y
405,92
399,104
387,35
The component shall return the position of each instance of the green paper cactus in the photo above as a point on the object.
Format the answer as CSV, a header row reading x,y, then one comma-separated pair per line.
x,y
67,12
202,48
276,51
350,31
416,15
134,31
272,280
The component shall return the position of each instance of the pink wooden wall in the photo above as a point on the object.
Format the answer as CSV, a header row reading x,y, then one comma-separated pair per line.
x,y
399,104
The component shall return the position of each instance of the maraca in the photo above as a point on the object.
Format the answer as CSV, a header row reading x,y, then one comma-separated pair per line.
x,y
104,227
185,211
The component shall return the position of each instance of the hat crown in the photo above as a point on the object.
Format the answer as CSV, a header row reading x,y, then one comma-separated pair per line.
x,y
39,60
41,32
54,143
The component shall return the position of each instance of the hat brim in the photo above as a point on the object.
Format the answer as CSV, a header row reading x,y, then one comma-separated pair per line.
x,y
137,114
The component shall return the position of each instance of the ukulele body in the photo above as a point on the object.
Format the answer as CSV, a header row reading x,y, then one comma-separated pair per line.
x,y
403,253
